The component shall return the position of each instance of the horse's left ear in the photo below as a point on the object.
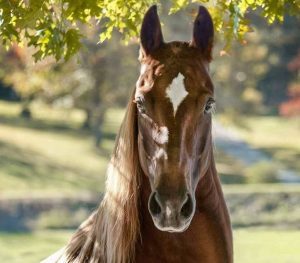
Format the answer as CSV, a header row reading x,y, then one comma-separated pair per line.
x,y
151,35
203,33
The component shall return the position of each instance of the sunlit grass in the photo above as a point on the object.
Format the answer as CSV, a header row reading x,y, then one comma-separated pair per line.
x,y
30,247
34,159
263,246
250,245
277,136
261,188
50,152
273,132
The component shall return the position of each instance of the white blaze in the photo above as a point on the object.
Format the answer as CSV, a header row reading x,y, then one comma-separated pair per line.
x,y
176,92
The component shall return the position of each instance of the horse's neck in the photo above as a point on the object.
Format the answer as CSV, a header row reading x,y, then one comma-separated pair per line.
x,y
208,239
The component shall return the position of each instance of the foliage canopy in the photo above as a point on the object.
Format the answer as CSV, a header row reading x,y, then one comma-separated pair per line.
x,y
53,27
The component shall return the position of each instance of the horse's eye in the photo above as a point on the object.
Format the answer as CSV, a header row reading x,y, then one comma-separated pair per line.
x,y
209,105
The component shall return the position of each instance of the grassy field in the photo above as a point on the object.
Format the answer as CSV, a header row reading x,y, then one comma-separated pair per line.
x,y
264,246
250,245
278,137
51,152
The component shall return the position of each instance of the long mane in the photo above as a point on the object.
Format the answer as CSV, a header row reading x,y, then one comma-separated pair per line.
x,y
111,232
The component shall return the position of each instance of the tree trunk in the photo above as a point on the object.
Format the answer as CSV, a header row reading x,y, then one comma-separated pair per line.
x,y
87,124
25,111
98,124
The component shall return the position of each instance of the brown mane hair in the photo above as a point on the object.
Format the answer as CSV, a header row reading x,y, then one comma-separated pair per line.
x,y
111,232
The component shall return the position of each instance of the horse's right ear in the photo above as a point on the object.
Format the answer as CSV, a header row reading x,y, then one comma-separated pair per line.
x,y
203,33
151,35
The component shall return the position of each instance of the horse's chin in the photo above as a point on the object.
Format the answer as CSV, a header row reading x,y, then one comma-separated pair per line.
x,y
171,229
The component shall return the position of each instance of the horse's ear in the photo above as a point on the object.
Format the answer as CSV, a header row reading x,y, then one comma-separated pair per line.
x,y
151,35
203,33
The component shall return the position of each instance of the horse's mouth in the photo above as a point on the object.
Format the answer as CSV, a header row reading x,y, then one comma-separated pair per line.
x,y
172,229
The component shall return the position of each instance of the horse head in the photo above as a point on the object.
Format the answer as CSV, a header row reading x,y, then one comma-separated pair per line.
x,y
174,97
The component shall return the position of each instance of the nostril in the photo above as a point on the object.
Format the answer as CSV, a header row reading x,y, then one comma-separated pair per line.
x,y
187,207
154,205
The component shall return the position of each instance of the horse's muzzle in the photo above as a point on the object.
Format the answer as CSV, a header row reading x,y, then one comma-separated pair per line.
x,y
171,214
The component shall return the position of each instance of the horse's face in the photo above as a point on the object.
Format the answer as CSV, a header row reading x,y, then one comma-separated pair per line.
x,y
174,96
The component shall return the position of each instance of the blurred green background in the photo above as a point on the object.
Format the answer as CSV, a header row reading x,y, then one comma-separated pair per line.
x,y
58,122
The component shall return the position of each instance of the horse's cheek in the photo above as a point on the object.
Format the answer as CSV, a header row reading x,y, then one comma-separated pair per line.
x,y
143,158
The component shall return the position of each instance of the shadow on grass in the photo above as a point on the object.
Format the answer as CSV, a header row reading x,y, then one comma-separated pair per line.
x,y
288,157
232,178
229,169
52,126
55,213
26,169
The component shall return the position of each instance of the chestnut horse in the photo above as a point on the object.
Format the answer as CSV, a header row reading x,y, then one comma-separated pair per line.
x,y
163,201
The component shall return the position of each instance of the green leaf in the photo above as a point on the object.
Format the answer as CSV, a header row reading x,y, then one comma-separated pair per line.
x,y
53,26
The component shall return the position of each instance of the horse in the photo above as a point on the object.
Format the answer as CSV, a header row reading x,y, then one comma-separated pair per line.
x,y
163,201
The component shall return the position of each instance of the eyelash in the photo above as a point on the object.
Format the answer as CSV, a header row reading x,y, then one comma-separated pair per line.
x,y
209,105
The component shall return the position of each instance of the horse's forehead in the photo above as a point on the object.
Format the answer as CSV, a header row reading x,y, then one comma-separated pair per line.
x,y
175,72
177,47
